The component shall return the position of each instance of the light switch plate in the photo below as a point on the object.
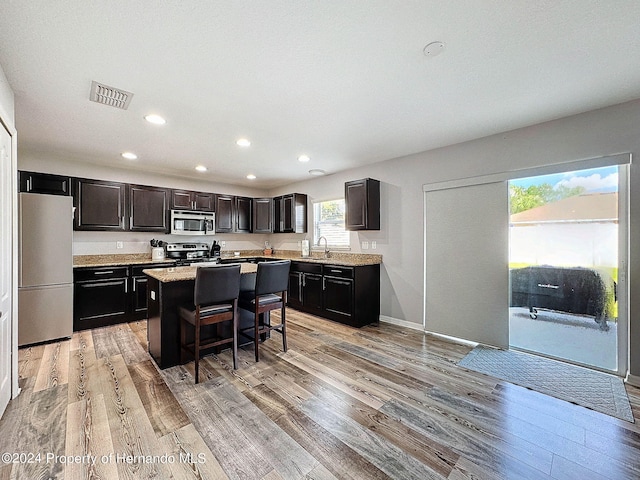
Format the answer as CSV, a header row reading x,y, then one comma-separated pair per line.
x,y
365,245
374,245
119,245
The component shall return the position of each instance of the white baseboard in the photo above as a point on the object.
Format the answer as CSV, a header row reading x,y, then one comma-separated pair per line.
x,y
633,380
402,323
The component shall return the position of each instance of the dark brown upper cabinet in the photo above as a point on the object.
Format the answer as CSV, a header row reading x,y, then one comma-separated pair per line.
x,y
233,214
99,205
148,208
362,202
243,207
262,215
290,213
224,213
188,200
32,182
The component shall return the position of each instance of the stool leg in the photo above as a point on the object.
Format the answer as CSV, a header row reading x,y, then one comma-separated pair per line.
x,y
284,328
196,347
256,337
235,335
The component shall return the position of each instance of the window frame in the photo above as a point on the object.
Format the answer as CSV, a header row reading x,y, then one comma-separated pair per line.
x,y
316,204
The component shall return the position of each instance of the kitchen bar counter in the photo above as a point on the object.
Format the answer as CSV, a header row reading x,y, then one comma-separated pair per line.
x,y
167,290
179,274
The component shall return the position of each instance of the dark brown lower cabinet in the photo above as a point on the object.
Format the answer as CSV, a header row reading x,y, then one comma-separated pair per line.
x,y
345,294
110,295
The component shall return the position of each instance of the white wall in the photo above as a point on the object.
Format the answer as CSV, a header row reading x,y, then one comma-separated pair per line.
x,y
565,244
400,241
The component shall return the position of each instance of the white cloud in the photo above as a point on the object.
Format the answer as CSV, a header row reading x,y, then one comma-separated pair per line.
x,y
591,183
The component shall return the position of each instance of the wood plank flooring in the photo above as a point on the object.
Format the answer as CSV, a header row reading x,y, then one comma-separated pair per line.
x,y
373,403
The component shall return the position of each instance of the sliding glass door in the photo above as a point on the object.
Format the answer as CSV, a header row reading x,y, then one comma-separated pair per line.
x,y
566,259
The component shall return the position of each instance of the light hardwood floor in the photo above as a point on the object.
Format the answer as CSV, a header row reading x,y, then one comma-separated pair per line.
x,y
377,402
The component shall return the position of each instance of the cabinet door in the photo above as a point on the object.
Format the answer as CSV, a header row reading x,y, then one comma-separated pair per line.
x,y
99,205
224,214
243,214
287,214
362,202
262,215
277,215
312,292
100,303
139,297
203,202
294,295
31,182
338,298
181,200
148,208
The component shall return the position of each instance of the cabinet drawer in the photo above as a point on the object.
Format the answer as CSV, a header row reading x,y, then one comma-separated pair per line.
x,y
306,267
338,271
102,273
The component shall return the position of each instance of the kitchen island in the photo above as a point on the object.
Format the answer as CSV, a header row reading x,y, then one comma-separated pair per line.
x,y
344,288
167,289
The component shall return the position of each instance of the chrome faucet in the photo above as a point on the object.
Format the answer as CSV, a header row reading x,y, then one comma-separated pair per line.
x,y
326,246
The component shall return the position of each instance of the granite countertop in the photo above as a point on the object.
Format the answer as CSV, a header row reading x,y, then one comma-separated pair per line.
x,y
335,258
177,274
115,260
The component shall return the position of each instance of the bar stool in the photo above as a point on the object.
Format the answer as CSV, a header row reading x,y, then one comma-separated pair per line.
x,y
215,298
270,293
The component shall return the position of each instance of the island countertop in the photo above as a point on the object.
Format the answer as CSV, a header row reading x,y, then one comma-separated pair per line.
x,y
177,274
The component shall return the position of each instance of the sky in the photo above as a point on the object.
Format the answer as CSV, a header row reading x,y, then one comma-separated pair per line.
x,y
594,180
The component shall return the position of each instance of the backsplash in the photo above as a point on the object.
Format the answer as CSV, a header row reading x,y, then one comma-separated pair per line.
x,y
107,243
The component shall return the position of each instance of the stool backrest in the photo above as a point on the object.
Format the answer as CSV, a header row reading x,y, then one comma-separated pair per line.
x,y
272,277
216,284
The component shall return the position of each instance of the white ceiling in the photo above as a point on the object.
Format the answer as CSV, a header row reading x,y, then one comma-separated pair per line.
x,y
343,81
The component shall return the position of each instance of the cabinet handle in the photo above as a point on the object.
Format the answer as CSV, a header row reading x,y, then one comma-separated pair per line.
x,y
335,271
130,222
126,286
324,283
133,284
103,272
29,184
304,280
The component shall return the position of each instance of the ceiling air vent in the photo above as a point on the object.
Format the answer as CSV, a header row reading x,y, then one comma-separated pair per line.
x,y
110,96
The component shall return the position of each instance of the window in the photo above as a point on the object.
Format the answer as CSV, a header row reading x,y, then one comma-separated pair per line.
x,y
328,222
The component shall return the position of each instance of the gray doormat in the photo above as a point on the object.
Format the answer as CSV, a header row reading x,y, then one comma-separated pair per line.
x,y
598,391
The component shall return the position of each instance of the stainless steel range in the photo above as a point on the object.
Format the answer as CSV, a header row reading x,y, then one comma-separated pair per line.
x,y
190,253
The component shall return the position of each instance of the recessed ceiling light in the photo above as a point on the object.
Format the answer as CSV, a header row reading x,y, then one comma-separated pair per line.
x,y
130,155
243,142
251,176
303,158
317,172
155,119
433,49
201,168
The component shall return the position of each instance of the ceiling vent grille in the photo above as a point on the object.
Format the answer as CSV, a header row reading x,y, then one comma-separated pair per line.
x,y
110,96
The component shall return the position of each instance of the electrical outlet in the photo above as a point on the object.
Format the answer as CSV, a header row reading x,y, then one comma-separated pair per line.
x,y
299,243
365,245
374,245
119,245
223,243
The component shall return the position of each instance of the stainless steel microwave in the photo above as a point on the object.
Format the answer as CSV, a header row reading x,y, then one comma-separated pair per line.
x,y
185,222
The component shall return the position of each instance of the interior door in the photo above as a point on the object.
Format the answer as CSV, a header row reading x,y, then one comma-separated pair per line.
x,y
5,267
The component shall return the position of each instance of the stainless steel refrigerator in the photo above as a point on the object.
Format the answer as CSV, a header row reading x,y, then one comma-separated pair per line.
x,y
45,278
